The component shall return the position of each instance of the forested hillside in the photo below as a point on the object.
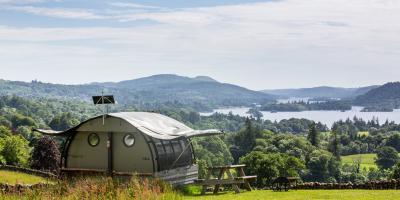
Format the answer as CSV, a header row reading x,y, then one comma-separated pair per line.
x,y
321,92
386,97
201,93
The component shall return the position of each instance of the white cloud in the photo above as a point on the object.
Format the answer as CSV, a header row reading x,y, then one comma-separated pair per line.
x,y
16,2
275,43
132,5
56,12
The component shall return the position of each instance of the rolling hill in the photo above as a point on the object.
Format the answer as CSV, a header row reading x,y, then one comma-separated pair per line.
x,y
201,93
385,97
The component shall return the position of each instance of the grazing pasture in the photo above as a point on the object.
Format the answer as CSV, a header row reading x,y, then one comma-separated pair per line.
x,y
366,160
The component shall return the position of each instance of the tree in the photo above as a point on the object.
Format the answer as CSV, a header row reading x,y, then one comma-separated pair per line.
x,y
2,159
4,131
396,171
318,166
394,141
15,150
268,166
244,140
212,150
45,155
63,121
334,145
386,157
254,112
313,135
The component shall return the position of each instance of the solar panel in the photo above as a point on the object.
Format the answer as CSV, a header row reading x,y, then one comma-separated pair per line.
x,y
105,99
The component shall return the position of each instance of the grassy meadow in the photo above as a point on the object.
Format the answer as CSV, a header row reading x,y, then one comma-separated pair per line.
x,y
367,160
13,178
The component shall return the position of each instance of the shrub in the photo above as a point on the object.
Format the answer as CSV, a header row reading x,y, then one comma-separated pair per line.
x,y
45,155
15,150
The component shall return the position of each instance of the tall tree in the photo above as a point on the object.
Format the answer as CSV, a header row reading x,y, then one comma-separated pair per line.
x,y
334,144
244,140
313,134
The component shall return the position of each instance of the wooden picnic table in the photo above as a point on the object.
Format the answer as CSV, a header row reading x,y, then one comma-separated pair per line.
x,y
235,181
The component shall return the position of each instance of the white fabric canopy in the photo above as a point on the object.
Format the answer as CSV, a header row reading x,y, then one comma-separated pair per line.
x,y
153,124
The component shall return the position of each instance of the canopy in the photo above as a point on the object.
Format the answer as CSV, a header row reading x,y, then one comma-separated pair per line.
x,y
152,124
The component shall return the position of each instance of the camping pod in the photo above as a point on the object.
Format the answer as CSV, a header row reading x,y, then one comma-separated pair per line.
x,y
131,143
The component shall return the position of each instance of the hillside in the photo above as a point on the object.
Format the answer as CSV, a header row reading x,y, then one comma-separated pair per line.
x,y
321,92
201,93
385,97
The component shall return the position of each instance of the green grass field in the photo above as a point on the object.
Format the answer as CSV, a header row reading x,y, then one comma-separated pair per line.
x,y
304,195
367,160
12,178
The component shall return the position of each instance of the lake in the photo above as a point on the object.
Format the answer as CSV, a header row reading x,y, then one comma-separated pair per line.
x,y
325,117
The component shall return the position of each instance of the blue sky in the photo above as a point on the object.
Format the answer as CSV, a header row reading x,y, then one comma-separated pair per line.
x,y
256,44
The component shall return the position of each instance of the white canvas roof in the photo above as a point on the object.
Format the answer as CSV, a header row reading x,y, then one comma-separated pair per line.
x,y
153,124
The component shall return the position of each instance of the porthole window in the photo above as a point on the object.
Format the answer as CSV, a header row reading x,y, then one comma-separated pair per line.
x,y
93,139
129,140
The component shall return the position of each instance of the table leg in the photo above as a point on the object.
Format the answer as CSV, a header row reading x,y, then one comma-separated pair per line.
x,y
235,186
246,183
220,176
204,189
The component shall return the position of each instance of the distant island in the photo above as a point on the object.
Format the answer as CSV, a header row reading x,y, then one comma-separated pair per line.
x,y
306,106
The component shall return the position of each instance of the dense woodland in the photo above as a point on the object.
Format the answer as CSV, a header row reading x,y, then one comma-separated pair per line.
x,y
303,106
293,147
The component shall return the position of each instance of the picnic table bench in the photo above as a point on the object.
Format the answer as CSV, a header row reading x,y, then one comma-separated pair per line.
x,y
235,181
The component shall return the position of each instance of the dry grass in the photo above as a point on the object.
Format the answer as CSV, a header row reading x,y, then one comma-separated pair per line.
x,y
100,188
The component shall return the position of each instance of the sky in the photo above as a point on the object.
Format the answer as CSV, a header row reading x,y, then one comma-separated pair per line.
x,y
252,43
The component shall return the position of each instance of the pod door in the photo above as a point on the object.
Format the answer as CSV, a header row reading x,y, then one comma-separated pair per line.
x,y
88,150
131,153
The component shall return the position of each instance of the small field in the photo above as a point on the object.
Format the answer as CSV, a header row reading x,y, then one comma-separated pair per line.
x,y
367,160
305,195
13,178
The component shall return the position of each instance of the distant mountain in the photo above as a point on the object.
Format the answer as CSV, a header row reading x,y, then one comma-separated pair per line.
x,y
201,92
385,97
168,87
321,92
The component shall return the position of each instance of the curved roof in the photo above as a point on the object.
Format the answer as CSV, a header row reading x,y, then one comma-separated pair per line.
x,y
153,124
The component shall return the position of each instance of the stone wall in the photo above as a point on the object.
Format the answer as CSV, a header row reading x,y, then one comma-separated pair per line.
x,y
5,187
28,171
371,185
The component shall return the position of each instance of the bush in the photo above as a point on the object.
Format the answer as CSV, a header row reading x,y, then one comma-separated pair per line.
x,y
386,157
396,171
15,150
45,155
268,166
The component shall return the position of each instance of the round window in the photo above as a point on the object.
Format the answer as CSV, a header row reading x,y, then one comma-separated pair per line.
x,y
93,139
129,140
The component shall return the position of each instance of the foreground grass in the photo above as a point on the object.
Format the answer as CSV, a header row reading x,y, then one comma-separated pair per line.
x,y
367,160
13,178
304,195
99,188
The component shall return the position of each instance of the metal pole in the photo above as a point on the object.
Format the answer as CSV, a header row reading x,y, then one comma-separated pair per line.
x,y
102,102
